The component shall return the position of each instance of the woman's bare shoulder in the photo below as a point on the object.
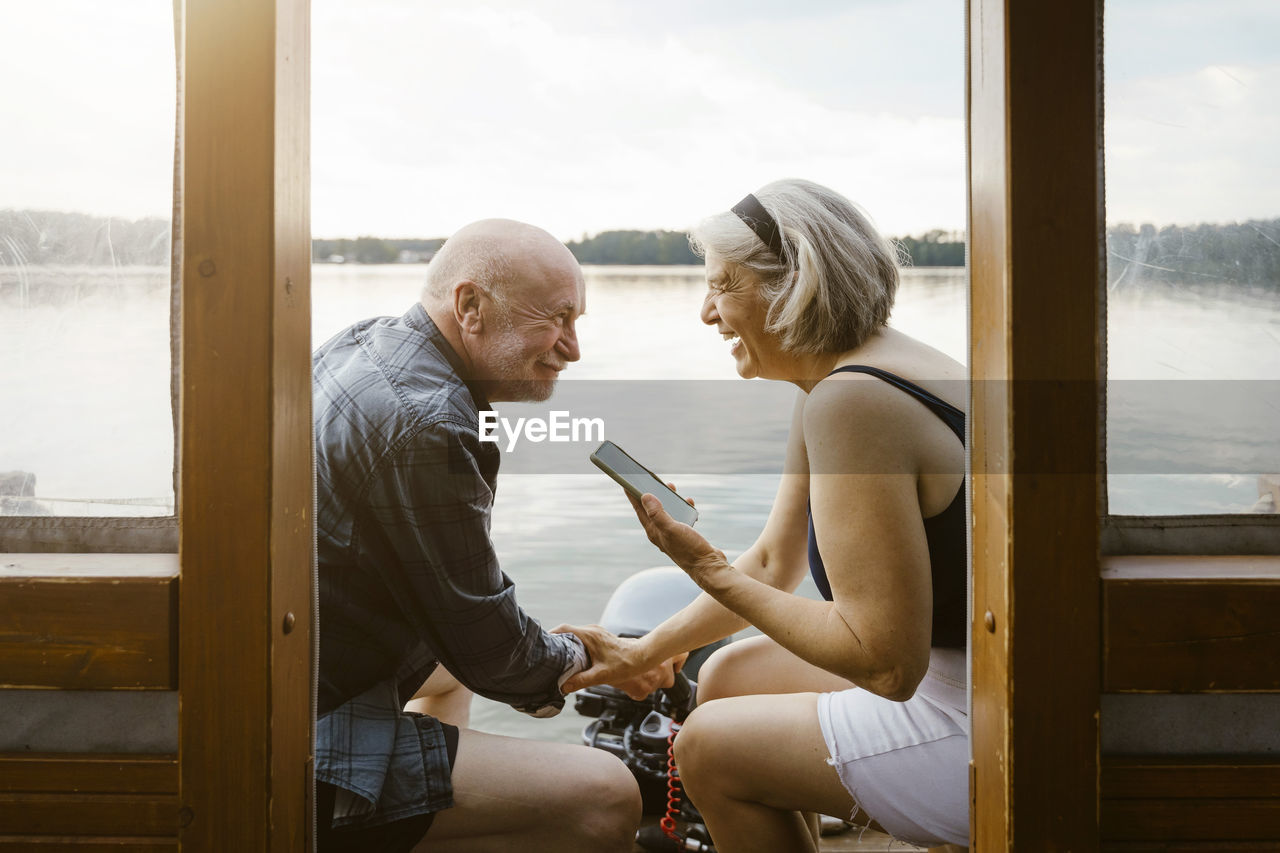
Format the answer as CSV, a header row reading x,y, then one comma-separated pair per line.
x,y
857,422
912,360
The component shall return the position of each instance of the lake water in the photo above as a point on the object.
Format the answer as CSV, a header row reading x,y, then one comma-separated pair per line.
x,y
85,390
567,539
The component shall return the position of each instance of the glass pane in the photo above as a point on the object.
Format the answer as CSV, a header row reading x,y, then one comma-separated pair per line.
x,y
1193,248
592,117
87,166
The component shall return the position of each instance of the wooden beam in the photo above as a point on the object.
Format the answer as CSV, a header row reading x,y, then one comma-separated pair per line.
x,y
1034,261
1190,777
94,625
89,814
86,844
1168,819
292,462
1191,635
88,773
247,545
990,820
89,802
1190,802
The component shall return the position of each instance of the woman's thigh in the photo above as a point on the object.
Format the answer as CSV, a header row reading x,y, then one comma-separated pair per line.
x,y
765,749
906,763
759,665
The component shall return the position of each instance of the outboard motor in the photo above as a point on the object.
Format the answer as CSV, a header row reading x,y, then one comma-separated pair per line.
x,y
640,731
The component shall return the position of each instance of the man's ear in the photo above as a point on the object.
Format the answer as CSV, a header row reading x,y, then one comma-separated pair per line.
x,y
466,307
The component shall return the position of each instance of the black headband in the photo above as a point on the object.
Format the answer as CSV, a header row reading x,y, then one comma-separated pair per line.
x,y
752,212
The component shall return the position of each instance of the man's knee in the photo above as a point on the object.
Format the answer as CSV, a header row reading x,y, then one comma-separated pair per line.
x,y
441,682
607,803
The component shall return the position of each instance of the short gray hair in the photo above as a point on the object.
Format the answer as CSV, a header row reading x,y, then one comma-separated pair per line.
x,y
483,262
835,283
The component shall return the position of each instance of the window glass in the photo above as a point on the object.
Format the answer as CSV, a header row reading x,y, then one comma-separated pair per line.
x,y
595,117
86,162
1193,256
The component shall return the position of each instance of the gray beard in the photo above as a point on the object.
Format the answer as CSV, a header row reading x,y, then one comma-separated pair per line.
x,y
526,390
508,362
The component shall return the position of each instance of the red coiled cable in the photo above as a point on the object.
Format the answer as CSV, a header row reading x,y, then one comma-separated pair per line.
x,y
668,822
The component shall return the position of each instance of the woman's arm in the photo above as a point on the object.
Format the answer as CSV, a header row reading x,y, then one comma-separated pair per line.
x,y
863,489
778,558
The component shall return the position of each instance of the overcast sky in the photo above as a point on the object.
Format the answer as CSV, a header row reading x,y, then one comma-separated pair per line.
x,y
587,115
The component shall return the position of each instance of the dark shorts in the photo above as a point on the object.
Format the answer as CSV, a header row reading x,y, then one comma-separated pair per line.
x,y
399,836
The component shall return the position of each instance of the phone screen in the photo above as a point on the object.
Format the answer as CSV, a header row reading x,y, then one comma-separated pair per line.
x,y
638,480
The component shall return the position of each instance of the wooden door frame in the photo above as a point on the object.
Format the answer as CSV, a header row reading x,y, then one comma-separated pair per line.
x,y
246,541
1035,236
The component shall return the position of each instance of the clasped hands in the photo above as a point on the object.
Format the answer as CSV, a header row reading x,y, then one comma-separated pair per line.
x,y
619,661
624,662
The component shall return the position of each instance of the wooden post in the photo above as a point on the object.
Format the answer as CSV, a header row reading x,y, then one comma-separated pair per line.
x,y
1034,248
245,638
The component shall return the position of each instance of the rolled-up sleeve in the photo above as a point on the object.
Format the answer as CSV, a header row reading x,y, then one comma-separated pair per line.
x,y
426,531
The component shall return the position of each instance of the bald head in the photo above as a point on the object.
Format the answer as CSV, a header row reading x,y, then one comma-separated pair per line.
x,y
506,296
495,254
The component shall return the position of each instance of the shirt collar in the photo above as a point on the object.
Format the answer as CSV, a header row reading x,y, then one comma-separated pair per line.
x,y
419,320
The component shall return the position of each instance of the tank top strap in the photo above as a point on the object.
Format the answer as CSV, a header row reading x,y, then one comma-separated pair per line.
x,y
947,413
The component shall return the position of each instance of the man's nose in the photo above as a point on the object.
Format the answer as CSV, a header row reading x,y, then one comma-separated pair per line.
x,y
567,345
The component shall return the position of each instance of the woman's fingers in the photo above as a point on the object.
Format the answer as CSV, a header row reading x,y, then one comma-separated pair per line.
x,y
661,520
650,524
653,508
661,524
684,545
672,487
640,512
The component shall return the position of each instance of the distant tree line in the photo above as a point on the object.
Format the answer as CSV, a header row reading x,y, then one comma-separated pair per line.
x,y
937,248
634,248
375,250
1245,253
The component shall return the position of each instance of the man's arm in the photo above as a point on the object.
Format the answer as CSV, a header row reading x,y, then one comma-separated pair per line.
x,y
425,529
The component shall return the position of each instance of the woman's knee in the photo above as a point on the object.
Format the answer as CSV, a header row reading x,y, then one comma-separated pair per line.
x,y
700,744
726,673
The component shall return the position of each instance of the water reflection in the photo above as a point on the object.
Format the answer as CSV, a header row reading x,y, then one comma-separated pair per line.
x,y
94,428
86,391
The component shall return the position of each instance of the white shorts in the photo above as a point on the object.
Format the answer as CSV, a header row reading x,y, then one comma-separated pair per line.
x,y
906,764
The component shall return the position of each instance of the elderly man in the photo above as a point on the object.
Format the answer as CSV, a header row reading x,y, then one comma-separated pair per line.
x,y
412,600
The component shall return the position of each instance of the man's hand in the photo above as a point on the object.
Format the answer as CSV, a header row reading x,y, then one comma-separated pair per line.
x,y
620,662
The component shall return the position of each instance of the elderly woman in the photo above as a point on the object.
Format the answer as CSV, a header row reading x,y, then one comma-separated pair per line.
x,y
854,705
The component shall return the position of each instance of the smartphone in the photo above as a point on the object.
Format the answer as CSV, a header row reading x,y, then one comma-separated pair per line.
x,y
639,480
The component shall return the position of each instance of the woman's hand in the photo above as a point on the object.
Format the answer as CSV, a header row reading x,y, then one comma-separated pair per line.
x,y
685,546
620,662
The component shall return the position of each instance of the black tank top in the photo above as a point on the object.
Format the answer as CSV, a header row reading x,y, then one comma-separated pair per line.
x,y
945,531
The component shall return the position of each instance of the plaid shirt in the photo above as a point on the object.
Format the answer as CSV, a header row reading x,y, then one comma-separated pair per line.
x,y
408,575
